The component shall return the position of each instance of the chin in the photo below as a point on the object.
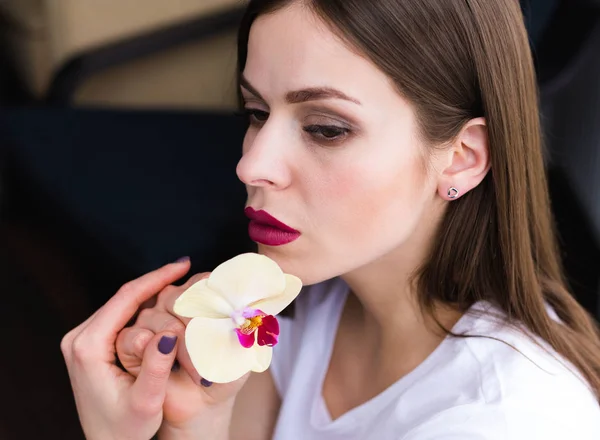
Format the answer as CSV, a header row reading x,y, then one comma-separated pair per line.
x,y
295,264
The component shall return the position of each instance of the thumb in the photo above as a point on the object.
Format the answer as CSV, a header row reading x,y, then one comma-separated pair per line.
x,y
150,387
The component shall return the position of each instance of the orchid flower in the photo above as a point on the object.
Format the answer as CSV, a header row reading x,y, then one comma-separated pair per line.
x,y
233,326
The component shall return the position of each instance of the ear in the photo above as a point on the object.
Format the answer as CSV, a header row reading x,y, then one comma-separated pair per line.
x,y
467,161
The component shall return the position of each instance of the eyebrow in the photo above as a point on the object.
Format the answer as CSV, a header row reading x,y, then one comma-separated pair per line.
x,y
304,95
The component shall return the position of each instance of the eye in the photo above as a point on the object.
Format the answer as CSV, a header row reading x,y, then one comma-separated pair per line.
x,y
256,117
327,132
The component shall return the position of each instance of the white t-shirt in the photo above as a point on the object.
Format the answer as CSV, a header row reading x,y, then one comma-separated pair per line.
x,y
467,389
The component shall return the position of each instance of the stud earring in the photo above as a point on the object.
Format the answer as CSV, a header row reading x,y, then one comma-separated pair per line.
x,y
453,193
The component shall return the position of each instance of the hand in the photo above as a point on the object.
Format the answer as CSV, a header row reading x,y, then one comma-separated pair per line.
x,y
191,403
111,403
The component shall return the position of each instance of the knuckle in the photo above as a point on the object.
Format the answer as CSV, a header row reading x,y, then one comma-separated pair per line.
x,y
173,325
66,343
140,341
127,287
158,373
81,349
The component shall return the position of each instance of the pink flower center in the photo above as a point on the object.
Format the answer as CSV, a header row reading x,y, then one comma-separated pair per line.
x,y
258,328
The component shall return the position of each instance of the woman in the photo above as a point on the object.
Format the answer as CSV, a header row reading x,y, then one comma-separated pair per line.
x,y
402,140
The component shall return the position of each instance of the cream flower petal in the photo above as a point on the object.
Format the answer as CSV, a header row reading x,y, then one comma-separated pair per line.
x,y
246,279
200,301
263,355
275,304
216,353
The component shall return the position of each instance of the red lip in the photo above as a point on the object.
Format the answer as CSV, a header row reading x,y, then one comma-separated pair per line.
x,y
267,230
265,218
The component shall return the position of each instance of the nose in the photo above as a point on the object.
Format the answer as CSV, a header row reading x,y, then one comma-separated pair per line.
x,y
265,160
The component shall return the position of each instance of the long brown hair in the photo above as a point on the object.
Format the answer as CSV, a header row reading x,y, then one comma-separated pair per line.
x,y
455,60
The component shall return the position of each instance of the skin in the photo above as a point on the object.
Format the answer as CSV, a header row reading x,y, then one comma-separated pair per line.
x,y
366,192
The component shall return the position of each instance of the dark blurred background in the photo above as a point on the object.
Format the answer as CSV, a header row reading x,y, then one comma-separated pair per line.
x,y
118,146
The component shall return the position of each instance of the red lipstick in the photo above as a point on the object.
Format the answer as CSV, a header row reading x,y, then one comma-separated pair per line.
x,y
266,229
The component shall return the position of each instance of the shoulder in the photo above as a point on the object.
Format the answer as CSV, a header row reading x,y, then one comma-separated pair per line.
x,y
503,422
505,384
512,362
508,420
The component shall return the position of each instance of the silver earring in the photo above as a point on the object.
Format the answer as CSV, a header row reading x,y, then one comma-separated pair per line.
x,y
453,193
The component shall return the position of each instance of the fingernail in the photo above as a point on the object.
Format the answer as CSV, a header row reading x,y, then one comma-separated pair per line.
x,y
183,260
175,368
167,344
205,383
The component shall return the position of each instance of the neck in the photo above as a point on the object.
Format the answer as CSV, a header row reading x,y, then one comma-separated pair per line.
x,y
385,299
387,324
385,303
383,333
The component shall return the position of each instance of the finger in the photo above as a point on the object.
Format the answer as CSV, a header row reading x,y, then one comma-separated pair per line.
x,y
131,344
149,322
81,327
150,387
66,344
185,363
120,308
160,321
168,297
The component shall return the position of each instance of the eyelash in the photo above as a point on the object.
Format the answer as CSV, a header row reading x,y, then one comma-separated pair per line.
x,y
317,131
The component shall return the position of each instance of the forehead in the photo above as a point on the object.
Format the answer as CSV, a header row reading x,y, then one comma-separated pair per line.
x,y
292,49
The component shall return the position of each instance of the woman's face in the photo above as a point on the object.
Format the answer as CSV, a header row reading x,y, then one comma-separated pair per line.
x,y
332,151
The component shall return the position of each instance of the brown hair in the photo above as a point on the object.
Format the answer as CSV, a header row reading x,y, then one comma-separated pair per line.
x,y
456,60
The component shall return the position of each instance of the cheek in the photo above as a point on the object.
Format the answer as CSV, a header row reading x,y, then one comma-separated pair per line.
x,y
383,198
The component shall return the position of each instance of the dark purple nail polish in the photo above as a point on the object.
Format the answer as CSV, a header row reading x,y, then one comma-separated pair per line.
x,y
167,344
183,260
205,383
176,366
